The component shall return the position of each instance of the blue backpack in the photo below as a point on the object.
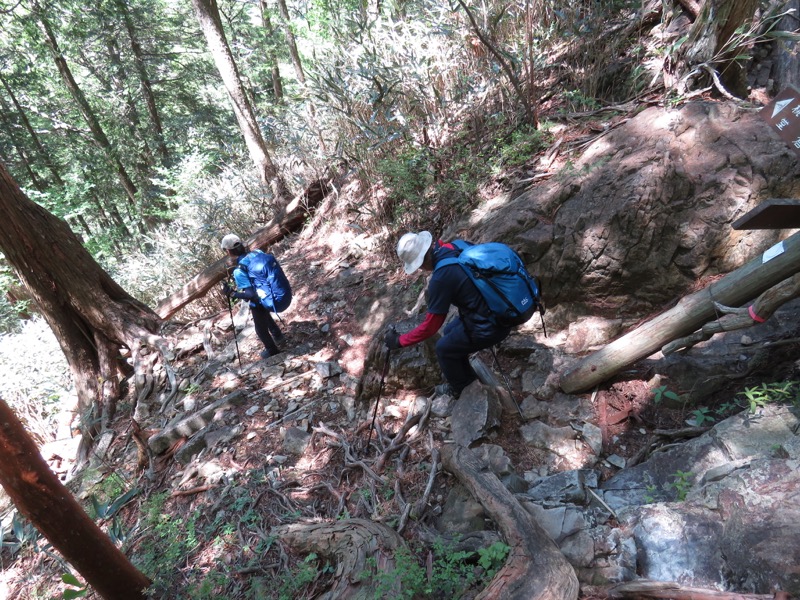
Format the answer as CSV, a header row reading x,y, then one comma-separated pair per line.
x,y
268,278
513,295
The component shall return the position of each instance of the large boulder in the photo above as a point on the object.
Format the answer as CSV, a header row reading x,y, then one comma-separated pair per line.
x,y
646,210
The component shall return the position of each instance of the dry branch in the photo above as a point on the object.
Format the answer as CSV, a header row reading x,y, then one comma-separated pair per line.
x,y
535,568
739,318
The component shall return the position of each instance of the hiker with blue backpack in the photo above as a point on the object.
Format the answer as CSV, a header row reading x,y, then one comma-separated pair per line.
x,y
489,285
258,278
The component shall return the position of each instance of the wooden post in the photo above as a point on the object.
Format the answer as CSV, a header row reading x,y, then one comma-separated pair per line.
x,y
692,312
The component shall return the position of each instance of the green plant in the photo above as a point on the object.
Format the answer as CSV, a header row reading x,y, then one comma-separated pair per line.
x,y
662,392
406,580
681,484
649,497
578,101
524,143
701,416
25,534
170,540
493,557
76,589
760,396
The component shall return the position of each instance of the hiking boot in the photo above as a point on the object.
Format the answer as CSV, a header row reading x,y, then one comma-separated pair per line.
x,y
445,389
279,338
266,353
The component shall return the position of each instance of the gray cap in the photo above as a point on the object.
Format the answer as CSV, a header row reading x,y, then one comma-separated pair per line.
x,y
229,241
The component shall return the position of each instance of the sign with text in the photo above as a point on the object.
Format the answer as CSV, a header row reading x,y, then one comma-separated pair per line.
x,y
783,115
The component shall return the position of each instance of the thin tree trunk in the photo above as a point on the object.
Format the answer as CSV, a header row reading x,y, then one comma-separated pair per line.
x,y
19,148
118,84
291,44
211,25
144,80
75,91
50,507
277,84
32,132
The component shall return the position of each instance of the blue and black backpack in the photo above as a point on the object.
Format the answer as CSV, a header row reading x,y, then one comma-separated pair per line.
x,y
268,278
513,294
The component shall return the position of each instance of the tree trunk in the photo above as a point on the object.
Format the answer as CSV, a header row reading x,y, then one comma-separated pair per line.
x,y
50,507
354,544
211,24
716,23
89,313
277,84
535,568
32,132
100,138
786,70
736,288
144,80
291,44
292,220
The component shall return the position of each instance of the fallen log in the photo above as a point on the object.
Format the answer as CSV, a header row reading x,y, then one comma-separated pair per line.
x,y
535,568
735,289
289,221
739,318
352,544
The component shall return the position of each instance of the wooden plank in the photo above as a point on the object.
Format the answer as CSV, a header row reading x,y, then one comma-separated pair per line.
x,y
775,213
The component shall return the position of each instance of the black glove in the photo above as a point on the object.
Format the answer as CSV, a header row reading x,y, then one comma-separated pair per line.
x,y
227,290
392,339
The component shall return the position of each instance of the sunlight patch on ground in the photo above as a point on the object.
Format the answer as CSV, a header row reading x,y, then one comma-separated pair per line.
x,y
34,377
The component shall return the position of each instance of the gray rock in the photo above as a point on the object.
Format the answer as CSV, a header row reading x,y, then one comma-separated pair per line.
x,y
461,513
568,487
475,413
295,440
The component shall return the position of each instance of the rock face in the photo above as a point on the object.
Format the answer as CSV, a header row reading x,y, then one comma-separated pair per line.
x,y
735,522
647,209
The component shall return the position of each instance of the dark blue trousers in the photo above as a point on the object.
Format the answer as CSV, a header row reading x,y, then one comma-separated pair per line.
x,y
265,327
455,346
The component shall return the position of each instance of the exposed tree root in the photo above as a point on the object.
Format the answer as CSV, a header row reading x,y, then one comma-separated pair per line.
x,y
535,568
353,544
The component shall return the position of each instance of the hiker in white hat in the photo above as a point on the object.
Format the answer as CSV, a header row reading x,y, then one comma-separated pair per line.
x,y
473,330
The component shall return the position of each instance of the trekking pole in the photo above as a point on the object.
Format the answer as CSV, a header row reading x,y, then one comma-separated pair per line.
x,y
505,379
233,325
541,316
378,399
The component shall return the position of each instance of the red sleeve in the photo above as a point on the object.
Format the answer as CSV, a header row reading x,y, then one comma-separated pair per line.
x,y
423,331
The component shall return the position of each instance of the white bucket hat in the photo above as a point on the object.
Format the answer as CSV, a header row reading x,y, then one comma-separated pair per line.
x,y
229,241
412,248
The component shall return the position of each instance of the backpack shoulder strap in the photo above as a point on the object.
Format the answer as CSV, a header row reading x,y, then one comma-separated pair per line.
x,y
460,245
